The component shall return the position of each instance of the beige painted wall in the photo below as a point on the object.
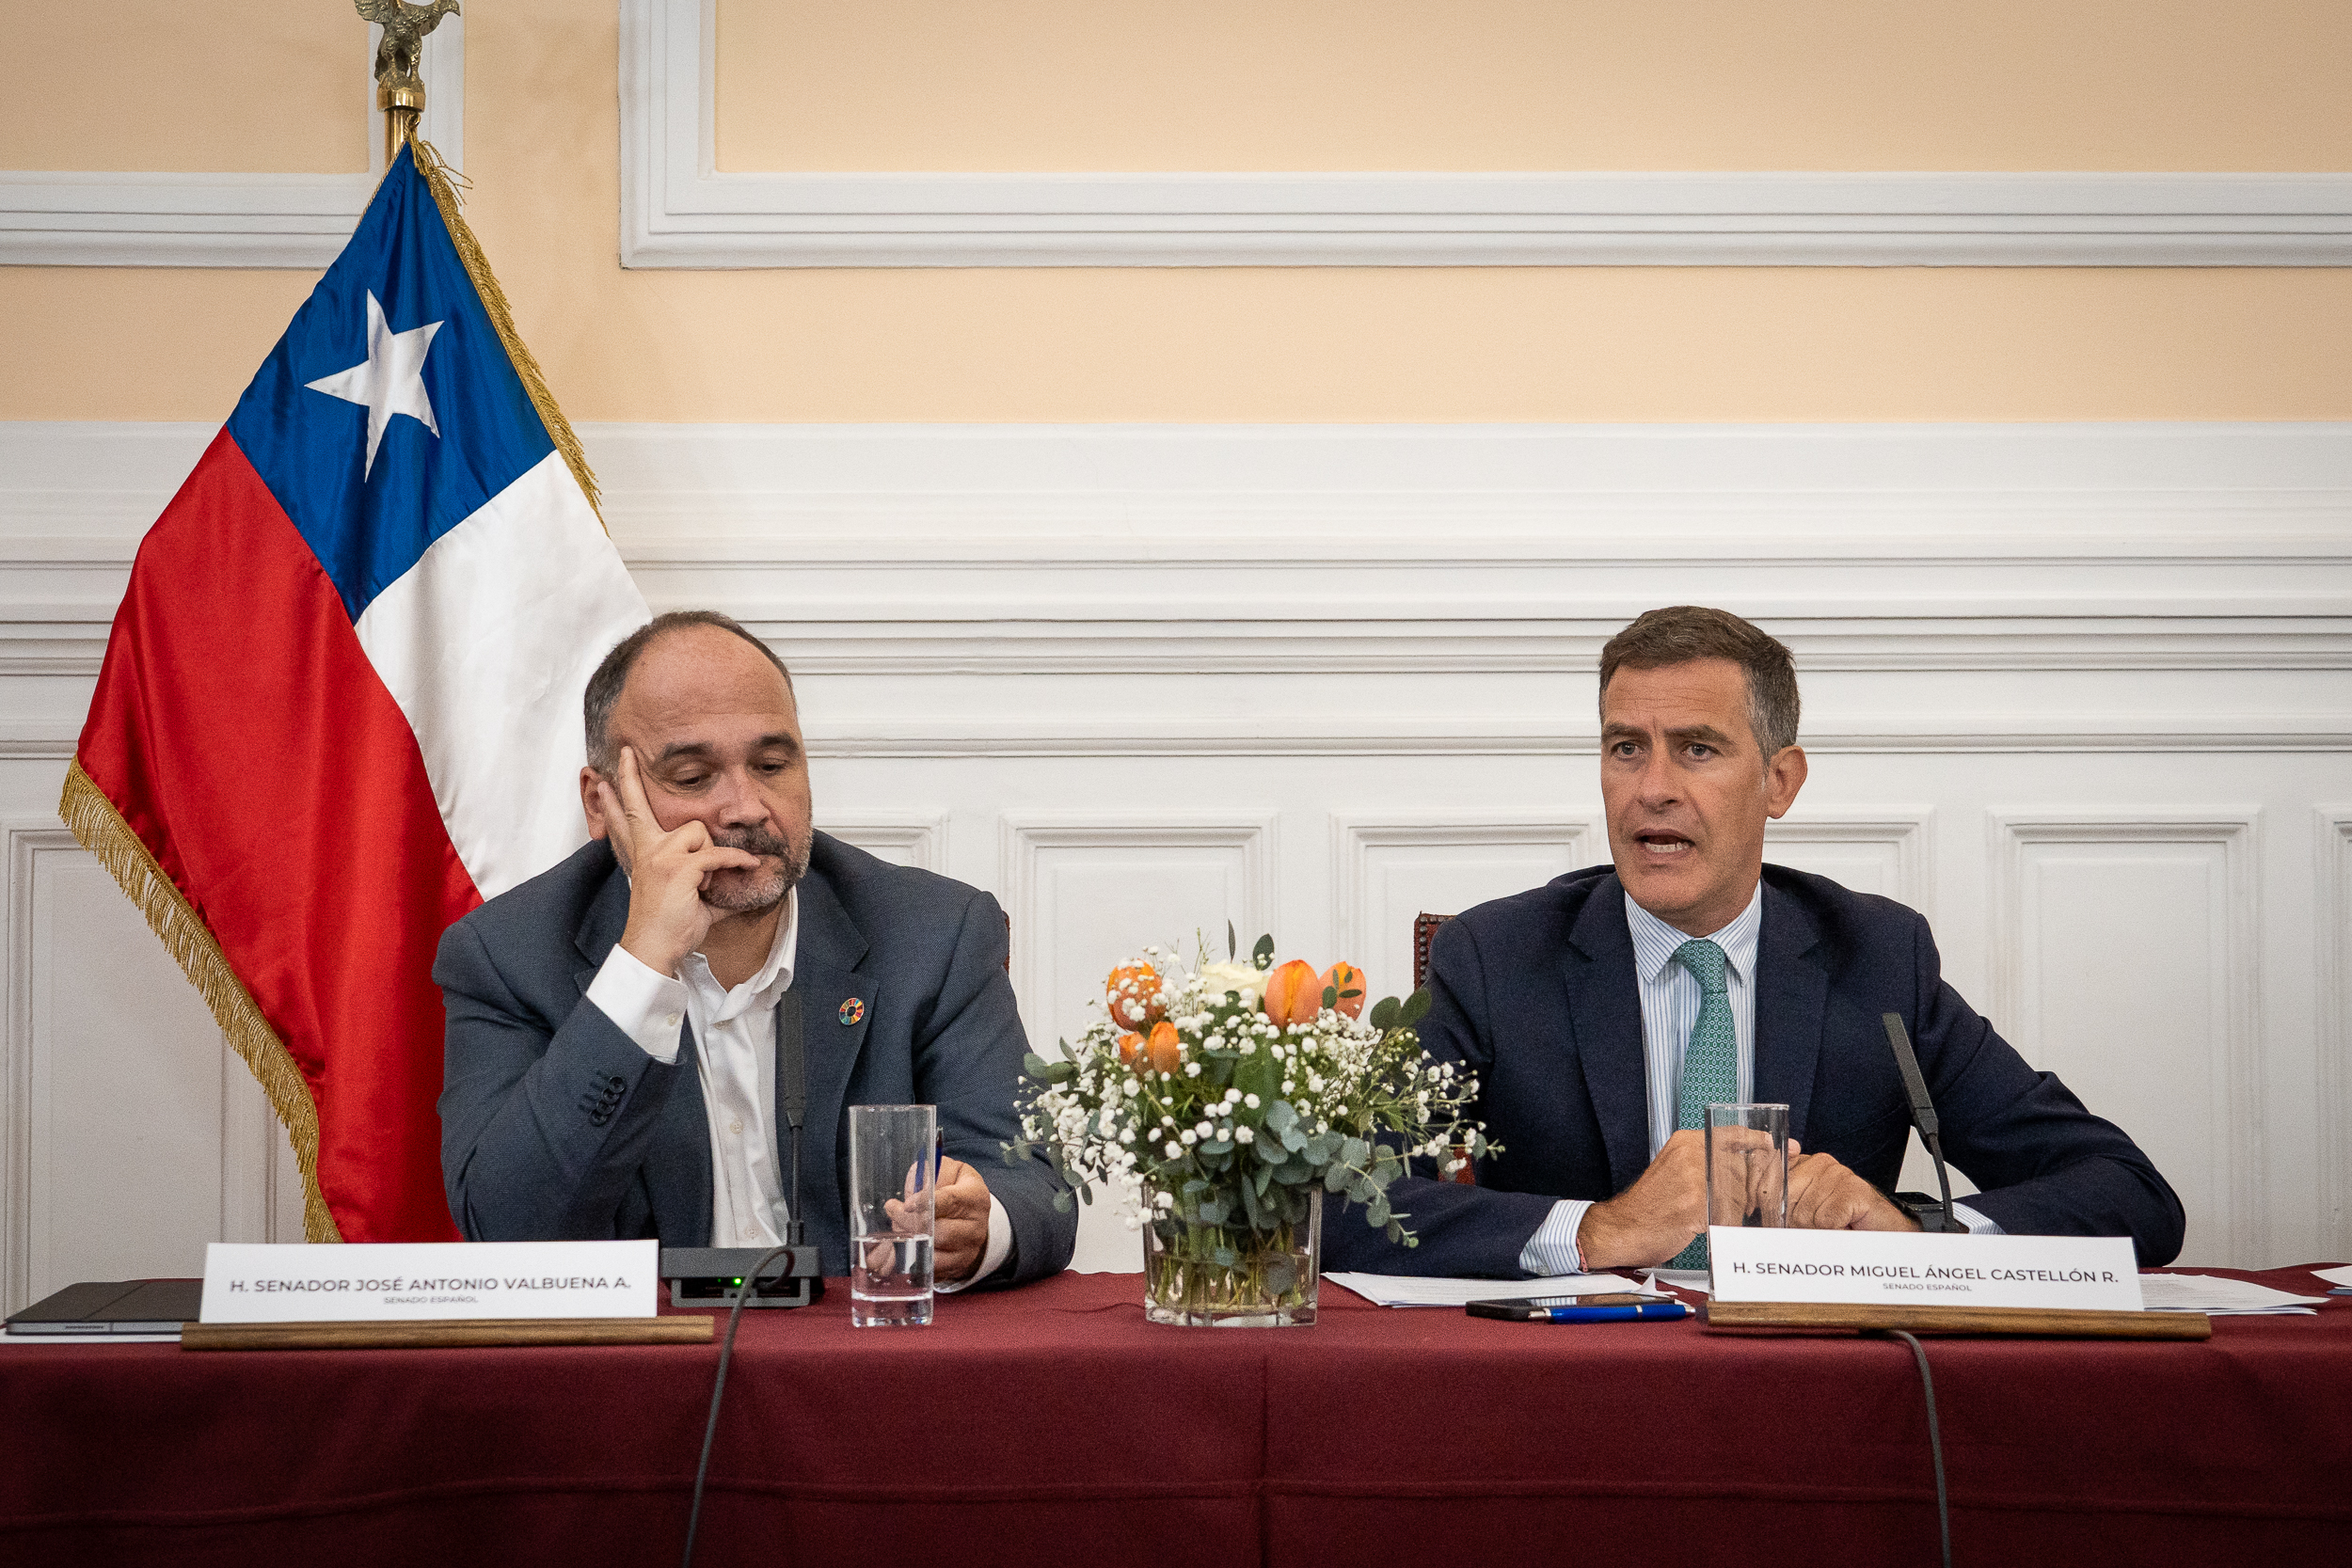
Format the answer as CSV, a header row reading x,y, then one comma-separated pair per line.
x,y
1822,84
1534,85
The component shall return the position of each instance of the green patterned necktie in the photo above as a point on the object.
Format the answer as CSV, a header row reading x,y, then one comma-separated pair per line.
x,y
1710,1062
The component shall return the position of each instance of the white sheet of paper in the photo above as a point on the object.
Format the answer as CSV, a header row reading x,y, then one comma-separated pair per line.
x,y
1391,1290
2336,1277
2217,1296
1681,1279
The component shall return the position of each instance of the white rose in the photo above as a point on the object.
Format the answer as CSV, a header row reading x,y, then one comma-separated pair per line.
x,y
1248,979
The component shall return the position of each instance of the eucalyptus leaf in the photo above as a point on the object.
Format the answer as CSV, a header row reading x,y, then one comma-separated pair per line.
x,y
1034,1065
1355,1151
1263,955
1336,1178
1210,1211
1384,1013
1281,1273
1062,1204
1281,1116
1260,1075
1232,942
1415,1007
1376,1209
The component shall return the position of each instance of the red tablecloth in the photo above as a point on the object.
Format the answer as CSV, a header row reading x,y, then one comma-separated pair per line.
x,y
1052,1425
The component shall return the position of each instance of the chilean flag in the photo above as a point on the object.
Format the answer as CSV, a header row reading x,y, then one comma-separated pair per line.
x,y
341,702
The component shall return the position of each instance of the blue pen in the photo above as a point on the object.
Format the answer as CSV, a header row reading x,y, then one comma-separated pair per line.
x,y
1535,1309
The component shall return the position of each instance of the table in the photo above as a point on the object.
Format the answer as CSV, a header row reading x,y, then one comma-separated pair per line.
x,y
1052,1425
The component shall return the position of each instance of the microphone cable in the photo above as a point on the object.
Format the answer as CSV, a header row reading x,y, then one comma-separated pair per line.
x,y
719,1390
1935,1433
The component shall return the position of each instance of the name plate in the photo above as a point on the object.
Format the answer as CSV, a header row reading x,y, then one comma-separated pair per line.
x,y
390,1281
2096,1274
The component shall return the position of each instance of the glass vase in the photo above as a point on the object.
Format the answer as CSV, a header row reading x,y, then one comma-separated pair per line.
x,y
1234,1275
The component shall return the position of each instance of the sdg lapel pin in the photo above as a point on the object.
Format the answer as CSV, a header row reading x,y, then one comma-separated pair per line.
x,y
852,1011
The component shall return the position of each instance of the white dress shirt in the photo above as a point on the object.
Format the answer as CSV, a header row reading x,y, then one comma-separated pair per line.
x,y
735,1028
1671,998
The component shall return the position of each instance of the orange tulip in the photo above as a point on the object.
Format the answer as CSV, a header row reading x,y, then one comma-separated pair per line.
x,y
1348,981
1130,1047
1134,993
1167,1050
1293,993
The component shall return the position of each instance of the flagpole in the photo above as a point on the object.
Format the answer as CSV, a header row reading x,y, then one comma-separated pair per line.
x,y
399,92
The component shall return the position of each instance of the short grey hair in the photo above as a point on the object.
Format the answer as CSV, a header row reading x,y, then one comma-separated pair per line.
x,y
604,687
1680,633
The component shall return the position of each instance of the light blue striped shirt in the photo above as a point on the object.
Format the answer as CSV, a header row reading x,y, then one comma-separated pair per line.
x,y
1671,998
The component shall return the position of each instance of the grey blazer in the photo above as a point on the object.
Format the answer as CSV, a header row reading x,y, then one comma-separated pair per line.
x,y
555,1125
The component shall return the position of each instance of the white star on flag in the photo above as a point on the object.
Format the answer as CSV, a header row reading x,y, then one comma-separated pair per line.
x,y
392,381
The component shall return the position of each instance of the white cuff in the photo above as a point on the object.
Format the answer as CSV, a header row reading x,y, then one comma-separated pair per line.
x,y
648,1007
1552,1249
1977,1225
999,1248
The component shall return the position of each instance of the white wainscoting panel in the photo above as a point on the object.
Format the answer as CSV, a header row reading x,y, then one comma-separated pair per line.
x,y
1138,681
1088,889
2334,1017
1388,870
679,210
1873,851
2125,956
118,1149
902,838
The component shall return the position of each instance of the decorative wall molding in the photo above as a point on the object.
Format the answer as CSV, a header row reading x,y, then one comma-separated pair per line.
x,y
906,838
93,219
921,550
2233,1058
27,838
1027,839
2334,1015
678,211
1902,832
1359,930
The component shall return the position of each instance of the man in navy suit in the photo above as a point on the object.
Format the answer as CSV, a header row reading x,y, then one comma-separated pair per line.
x,y
1578,1006
614,1024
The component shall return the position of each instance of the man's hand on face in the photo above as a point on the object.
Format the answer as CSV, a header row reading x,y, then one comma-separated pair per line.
x,y
1655,1217
1824,1196
667,917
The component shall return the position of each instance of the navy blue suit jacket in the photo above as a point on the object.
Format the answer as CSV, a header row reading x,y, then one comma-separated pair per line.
x,y
1537,994
556,1126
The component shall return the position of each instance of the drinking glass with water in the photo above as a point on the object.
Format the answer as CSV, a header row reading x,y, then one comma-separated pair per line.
x,y
893,1177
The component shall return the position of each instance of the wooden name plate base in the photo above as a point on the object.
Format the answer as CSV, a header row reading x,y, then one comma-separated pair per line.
x,y
2052,1322
697,1330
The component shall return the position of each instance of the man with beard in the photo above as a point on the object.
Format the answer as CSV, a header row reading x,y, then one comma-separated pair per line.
x,y
614,1022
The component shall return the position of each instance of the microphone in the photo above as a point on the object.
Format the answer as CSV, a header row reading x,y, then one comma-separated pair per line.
x,y
1923,1117
715,1276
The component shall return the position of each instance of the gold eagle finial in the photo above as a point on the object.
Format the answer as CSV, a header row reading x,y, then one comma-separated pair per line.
x,y
404,26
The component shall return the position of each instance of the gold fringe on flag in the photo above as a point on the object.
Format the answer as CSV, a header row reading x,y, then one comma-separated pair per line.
x,y
103,832
436,177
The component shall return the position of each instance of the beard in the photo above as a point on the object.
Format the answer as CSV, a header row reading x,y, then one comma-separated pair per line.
x,y
763,888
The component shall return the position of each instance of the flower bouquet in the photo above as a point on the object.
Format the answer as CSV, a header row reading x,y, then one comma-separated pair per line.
x,y
1221,1105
